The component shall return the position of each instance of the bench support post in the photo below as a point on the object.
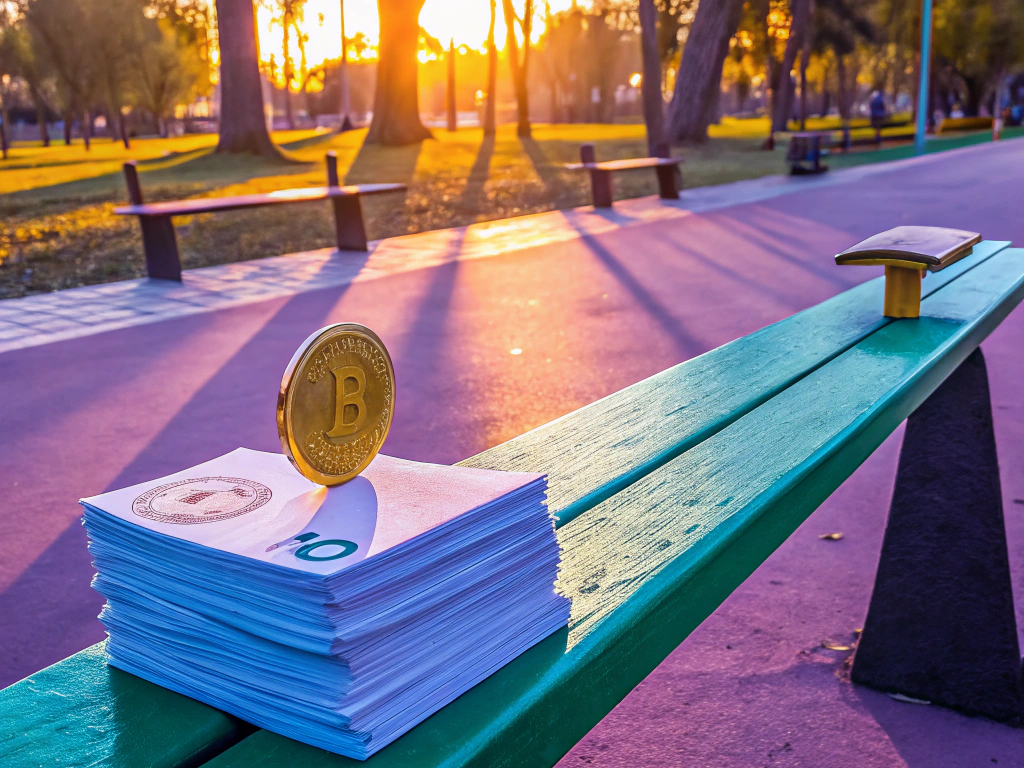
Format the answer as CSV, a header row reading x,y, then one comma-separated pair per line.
x,y
941,624
348,223
601,188
158,240
161,247
668,187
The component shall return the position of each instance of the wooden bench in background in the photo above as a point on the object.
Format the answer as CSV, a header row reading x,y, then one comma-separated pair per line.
x,y
161,244
666,167
668,495
805,152
948,124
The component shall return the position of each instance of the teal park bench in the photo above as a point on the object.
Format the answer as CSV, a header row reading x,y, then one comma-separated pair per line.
x,y
668,495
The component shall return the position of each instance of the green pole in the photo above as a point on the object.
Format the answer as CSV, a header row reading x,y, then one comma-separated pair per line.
x,y
922,93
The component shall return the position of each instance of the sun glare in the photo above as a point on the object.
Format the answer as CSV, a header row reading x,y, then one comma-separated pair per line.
x,y
464,21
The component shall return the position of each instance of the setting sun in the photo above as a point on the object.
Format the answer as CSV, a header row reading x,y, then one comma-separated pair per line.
x,y
322,22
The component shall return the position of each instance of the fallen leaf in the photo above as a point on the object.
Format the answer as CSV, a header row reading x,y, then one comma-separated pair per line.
x,y
836,647
832,536
908,699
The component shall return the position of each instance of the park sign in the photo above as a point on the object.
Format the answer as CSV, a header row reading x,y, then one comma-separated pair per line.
x,y
339,605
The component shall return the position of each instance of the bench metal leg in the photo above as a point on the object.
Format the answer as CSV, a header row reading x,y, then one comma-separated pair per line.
x,y
941,625
668,181
601,188
348,223
161,247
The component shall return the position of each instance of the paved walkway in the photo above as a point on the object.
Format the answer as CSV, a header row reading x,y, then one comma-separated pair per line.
x,y
69,314
591,313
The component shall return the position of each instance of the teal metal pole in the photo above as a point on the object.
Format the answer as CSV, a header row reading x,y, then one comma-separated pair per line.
x,y
922,93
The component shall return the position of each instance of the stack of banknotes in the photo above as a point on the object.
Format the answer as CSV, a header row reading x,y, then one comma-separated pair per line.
x,y
340,617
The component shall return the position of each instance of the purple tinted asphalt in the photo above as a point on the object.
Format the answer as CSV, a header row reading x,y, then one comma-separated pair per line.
x,y
753,685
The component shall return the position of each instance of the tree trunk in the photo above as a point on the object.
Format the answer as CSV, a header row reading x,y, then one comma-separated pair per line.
x,y
40,105
87,129
650,81
843,90
804,55
243,126
68,126
519,69
123,124
492,74
289,114
346,102
3,129
396,110
700,74
799,30
453,114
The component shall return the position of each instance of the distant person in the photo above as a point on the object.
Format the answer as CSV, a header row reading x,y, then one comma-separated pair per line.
x,y
877,107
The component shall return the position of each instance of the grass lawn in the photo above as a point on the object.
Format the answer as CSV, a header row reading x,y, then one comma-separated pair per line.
x,y
60,231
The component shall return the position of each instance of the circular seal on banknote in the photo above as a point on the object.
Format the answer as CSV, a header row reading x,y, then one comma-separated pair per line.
x,y
201,500
336,402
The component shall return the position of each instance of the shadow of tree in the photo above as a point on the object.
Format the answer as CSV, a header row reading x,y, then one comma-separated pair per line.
x,y
473,192
389,212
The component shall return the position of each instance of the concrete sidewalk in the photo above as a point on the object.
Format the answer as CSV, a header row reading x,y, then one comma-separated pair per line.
x,y
588,314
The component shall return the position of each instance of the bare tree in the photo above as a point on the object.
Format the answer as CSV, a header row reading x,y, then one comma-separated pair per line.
x,y
396,110
695,99
289,16
799,39
492,74
115,47
519,66
62,33
243,126
31,68
8,67
166,71
650,82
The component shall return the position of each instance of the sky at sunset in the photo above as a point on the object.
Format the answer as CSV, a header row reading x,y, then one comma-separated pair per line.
x,y
464,20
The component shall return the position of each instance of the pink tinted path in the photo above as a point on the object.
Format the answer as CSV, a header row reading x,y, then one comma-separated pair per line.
x,y
754,685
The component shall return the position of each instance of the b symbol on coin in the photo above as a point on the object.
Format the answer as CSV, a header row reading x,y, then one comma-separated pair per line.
x,y
336,402
348,401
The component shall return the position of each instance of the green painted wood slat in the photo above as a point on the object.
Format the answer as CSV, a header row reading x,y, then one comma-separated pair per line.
x,y
603,447
82,712
655,421
649,564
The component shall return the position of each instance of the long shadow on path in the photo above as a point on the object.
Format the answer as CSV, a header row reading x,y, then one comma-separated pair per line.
x,y
50,610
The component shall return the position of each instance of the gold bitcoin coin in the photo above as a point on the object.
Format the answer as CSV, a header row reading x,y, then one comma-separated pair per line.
x,y
336,402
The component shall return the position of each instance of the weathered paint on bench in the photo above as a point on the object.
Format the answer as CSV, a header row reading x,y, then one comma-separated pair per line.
x,y
670,412
673,437
82,712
